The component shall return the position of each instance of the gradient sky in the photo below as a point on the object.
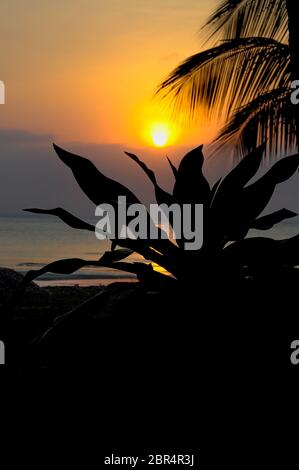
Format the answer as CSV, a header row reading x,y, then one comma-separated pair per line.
x,y
86,69
82,73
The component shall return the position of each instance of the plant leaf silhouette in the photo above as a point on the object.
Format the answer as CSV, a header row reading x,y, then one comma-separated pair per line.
x,y
235,209
256,196
215,189
97,187
162,196
71,265
173,168
238,177
65,216
266,222
115,255
191,187
232,207
64,266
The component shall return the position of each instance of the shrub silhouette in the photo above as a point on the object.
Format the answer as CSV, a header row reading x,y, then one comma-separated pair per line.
x,y
231,208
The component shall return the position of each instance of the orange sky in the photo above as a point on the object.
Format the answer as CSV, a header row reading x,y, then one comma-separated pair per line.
x,y
85,70
82,73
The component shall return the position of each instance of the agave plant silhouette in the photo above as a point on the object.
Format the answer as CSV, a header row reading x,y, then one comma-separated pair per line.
x,y
231,208
246,78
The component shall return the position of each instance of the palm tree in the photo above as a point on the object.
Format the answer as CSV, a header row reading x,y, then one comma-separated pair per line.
x,y
246,78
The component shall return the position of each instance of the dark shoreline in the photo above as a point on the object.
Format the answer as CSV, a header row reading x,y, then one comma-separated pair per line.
x,y
26,315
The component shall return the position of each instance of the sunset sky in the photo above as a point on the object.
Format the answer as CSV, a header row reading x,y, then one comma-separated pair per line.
x,y
86,70
82,73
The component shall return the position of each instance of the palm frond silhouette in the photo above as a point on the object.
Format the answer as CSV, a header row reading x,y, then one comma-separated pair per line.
x,y
245,79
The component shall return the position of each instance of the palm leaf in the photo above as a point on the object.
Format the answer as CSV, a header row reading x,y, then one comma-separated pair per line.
x,y
243,18
226,77
268,117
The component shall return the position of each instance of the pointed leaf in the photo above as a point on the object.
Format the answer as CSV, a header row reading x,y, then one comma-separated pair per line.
x,y
69,266
246,168
235,212
101,189
239,176
174,168
162,196
215,189
282,170
64,266
116,255
65,216
266,222
256,196
191,186
97,187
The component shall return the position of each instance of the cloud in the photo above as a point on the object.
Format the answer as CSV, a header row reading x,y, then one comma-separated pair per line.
x,y
17,136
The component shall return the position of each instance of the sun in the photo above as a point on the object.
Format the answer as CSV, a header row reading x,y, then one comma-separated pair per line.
x,y
159,138
160,134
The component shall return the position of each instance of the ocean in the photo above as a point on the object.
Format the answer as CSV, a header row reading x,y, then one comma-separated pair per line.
x,y
30,242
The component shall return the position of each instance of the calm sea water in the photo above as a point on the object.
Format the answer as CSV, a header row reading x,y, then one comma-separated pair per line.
x,y
29,242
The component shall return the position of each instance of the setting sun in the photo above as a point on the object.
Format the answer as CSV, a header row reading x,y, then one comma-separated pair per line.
x,y
160,135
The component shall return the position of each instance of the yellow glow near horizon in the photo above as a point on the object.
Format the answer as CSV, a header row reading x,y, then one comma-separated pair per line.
x,y
160,134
